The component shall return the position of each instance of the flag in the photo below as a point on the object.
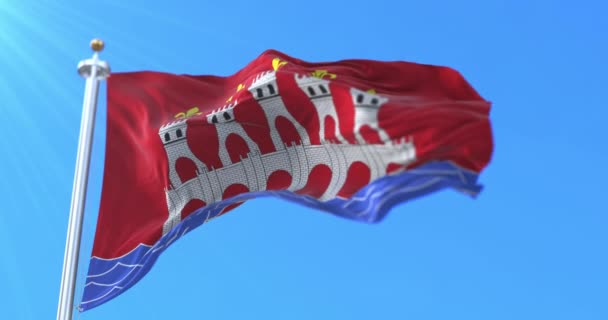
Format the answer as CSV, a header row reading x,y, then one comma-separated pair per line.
x,y
351,138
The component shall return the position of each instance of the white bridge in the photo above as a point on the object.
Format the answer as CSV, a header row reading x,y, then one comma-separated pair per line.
x,y
297,160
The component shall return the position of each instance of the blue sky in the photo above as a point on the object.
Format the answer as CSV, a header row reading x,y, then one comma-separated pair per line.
x,y
532,246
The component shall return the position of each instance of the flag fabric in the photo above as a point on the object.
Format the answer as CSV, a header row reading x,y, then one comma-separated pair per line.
x,y
352,138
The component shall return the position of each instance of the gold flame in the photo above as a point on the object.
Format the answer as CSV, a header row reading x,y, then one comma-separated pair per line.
x,y
322,73
190,113
277,63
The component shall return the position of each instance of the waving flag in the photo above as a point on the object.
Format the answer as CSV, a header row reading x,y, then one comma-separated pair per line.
x,y
352,138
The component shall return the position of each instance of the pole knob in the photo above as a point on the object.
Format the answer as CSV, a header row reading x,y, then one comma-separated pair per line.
x,y
97,45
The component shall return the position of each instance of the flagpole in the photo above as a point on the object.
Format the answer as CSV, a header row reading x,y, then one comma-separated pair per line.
x,y
94,70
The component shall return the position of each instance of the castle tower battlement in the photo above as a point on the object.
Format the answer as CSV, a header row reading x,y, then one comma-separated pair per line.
x,y
313,87
173,131
223,114
367,106
363,99
264,86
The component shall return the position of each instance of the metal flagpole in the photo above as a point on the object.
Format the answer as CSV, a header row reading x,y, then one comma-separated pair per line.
x,y
94,70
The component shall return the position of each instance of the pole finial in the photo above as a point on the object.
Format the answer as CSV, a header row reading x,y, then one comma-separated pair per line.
x,y
97,45
102,69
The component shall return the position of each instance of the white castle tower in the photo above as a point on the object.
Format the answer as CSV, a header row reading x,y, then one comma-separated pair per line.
x,y
223,118
319,93
173,135
366,113
266,91
174,138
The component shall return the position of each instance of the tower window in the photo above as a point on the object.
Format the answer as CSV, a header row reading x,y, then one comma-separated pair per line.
x,y
322,88
359,98
260,93
167,137
214,119
271,89
178,133
227,116
311,91
374,100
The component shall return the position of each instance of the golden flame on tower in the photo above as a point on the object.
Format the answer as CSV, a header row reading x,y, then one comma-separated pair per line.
x,y
277,63
190,113
322,73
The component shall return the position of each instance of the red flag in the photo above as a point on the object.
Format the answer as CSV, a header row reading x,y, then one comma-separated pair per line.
x,y
352,138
